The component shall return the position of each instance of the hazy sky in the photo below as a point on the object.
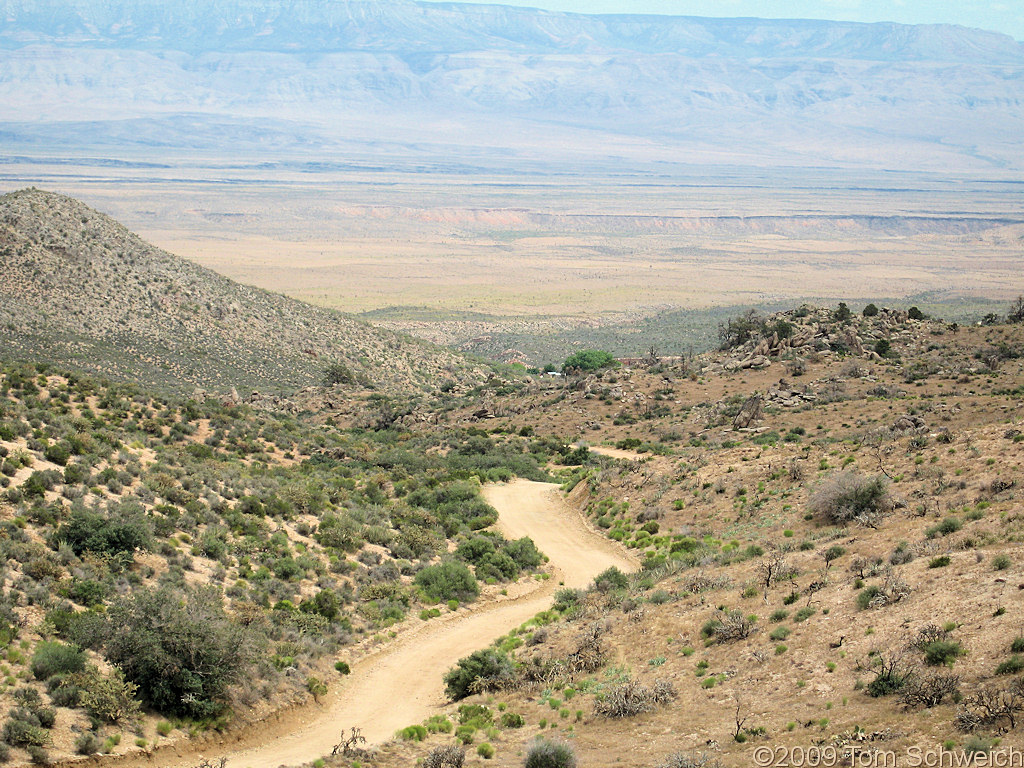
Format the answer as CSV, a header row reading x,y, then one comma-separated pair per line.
x,y
1005,16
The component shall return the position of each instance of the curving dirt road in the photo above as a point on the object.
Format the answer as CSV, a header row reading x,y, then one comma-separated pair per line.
x,y
401,683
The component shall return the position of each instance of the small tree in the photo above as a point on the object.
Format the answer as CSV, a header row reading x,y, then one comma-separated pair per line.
x,y
338,373
870,310
1016,313
589,360
842,313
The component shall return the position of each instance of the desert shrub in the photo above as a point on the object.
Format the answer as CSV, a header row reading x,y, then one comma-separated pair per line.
x,y
626,700
412,733
55,658
689,760
733,625
930,691
485,750
88,744
23,729
180,649
1017,646
950,525
481,670
870,310
567,598
512,720
450,580
1011,666
891,590
804,613
450,756
550,754
942,652
476,715
845,497
611,578
991,708
891,675
125,529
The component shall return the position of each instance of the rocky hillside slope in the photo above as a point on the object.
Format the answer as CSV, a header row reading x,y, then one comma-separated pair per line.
x,y
77,287
829,515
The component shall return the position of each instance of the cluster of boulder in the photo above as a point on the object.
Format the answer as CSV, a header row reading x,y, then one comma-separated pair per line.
x,y
817,331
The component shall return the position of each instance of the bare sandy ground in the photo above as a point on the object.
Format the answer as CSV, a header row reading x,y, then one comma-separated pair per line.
x,y
401,684
616,453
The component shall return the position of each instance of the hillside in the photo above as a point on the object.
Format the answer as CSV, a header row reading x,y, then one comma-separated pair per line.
x,y
344,80
78,288
174,569
828,512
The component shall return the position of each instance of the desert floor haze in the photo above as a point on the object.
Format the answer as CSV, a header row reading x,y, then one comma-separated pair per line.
x,y
390,383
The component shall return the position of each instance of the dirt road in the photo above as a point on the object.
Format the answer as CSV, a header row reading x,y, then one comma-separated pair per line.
x,y
401,684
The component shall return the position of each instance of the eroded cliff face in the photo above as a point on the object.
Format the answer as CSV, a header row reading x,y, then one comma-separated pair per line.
x,y
809,89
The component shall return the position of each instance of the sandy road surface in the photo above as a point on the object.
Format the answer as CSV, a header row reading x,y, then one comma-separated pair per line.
x,y
616,453
401,683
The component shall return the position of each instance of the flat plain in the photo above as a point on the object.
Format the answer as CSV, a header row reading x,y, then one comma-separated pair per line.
x,y
493,261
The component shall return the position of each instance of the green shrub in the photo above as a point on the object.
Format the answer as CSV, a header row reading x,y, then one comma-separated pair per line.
x,y
476,715
124,529
412,733
482,669
550,754
343,667
611,578
512,720
1011,666
939,562
946,527
438,724
448,581
866,595
1017,646
54,658
804,613
779,633
181,649
485,750
23,729
1001,562
942,652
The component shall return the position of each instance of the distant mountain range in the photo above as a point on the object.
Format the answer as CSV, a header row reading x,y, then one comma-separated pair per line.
x,y
78,289
348,76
